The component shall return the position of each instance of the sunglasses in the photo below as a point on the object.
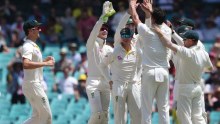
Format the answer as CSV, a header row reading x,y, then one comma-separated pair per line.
x,y
104,28
126,36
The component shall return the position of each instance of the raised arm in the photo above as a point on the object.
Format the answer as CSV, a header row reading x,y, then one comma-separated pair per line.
x,y
146,6
132,9
93,35
121,25
106,13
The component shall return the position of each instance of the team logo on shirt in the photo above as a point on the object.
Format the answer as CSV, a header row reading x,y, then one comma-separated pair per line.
x,y
43,100
116,98
92,94
37,47
119,58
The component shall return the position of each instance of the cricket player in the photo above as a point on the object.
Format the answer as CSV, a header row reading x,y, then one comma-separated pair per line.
x,y
97,88
178,37
193,60
155,75
125,63
33,75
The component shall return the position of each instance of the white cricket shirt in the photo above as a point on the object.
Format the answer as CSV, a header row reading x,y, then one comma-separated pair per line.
x,y
154,53
175,58
192,63
125,66
31,51
96,48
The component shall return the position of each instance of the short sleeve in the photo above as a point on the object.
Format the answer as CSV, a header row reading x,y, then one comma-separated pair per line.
x,y
208,62
27,51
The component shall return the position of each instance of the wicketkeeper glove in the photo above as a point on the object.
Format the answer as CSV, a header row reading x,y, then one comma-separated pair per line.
x,y
107,11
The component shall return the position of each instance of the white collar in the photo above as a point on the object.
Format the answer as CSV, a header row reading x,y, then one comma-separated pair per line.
x,y
132,48
30,41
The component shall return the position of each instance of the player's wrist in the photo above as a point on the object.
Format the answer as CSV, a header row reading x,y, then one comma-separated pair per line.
x,y
45,63
172,31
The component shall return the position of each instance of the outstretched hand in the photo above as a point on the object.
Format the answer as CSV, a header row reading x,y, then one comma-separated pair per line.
x,y
107,11
49,58
146,6
129,11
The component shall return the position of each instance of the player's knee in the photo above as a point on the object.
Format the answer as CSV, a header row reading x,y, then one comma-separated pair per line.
x,y
95,118
47,116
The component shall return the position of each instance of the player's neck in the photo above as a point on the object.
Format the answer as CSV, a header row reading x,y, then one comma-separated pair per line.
x,y
126,46
31,38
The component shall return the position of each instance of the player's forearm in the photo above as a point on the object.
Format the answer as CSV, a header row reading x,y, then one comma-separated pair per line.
x,y
148,22
94,33
121,25
134,14
33,65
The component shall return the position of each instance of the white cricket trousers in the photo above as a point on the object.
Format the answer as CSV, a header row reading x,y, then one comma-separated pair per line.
x,y
98,92
155,84
127,93
189,105
176,95
39,102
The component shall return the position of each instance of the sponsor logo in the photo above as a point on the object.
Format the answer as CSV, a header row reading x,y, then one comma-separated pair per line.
x,y
119,58
116,98
92,94
43,100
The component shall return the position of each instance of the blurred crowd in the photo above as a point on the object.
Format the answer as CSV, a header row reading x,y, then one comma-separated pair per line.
x,y
68,23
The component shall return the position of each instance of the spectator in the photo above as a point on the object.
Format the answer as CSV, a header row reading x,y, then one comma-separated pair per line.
x,y
18,26
8,10
85,25
52,35
69,26
15,40
14,82
3,46
74,55
63,62
83,65
208,92
216,104
210,31
5,28
82,86
67,83
37,15
118,16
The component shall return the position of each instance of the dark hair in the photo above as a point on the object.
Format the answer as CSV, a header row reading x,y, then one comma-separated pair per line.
x,y
26,32
159,16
